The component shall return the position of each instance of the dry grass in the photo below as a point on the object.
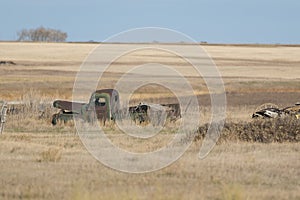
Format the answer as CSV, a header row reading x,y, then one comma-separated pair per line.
x,y
51,155
51,68
33,115
232,170
233,192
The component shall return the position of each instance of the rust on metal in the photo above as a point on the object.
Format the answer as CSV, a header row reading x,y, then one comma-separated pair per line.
x,y
103,105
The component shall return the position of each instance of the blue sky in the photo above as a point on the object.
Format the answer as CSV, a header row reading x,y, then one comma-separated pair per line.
x,y
214,21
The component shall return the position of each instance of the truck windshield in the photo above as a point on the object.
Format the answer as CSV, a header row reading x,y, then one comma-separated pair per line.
x,y
100,102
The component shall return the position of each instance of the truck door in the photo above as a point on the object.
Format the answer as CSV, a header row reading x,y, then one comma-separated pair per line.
x,y
102,106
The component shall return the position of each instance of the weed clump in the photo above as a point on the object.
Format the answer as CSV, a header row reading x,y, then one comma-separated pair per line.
x,y
278,130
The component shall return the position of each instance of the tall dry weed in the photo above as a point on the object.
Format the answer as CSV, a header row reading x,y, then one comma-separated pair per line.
x,y
33,113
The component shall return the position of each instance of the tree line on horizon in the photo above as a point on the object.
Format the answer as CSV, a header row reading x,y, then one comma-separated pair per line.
x,y
42,34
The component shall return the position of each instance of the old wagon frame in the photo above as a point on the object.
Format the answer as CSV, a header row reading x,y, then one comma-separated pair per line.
x,y
3,111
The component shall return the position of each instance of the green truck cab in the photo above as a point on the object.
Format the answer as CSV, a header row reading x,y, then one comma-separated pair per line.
x,y
103,105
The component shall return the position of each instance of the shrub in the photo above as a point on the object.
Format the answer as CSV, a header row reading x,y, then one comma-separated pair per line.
x,y
280,130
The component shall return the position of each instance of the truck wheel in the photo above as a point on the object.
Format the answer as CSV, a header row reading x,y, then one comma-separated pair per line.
x,y
54,119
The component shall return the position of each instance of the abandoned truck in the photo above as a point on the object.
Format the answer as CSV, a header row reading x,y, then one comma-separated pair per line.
x,y
104,105
104,102
273,111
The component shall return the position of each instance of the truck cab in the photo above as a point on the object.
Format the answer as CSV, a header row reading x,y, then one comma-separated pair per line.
x,y
103,105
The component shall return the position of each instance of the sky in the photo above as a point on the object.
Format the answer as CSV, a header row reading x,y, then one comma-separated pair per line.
x,y
213,21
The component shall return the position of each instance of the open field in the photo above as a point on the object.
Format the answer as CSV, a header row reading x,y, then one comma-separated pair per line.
x,y
231,171
39,161
252,74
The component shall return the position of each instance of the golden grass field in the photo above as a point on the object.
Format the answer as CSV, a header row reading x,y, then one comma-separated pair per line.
x,y
39,161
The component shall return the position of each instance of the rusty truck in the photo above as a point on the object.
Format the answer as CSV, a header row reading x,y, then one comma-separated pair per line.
x,y
104,105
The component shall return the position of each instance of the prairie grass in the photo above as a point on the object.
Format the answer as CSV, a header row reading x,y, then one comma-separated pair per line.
x,y
51,68
51,155
33,114
233,170
233,192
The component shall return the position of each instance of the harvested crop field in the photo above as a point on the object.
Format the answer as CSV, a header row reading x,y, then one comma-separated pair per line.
x,y
253,159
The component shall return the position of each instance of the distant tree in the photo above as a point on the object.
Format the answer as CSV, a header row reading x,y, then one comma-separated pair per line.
x,y
23,35
42,34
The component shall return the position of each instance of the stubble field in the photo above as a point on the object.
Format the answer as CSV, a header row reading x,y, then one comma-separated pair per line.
x,y
39,161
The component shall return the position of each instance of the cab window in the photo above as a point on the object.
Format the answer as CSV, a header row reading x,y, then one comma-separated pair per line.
x,y
100,102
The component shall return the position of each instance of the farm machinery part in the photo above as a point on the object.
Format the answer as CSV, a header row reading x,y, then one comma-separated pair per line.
x,y
154,113
272,111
